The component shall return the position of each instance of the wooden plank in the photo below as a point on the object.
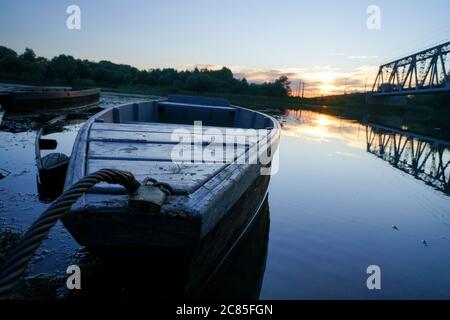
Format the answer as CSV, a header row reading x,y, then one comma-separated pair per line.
x,y
184,178
193,105
161,152
165,127
163,137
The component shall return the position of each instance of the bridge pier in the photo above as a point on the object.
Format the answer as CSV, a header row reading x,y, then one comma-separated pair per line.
x,y
398,100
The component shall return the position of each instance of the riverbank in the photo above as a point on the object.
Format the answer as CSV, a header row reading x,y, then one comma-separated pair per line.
x,y
154,92
350,105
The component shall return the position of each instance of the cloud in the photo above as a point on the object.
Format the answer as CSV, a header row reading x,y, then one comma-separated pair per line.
x,y
318,79
203,66
362,57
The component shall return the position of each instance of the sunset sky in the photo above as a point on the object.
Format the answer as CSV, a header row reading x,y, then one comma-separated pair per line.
x,y
325,43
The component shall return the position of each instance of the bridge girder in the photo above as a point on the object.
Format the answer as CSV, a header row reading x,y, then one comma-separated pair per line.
x,y
424,72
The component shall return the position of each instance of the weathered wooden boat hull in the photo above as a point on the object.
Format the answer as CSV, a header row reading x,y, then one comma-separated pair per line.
x,y
208,198
215,246
48,100
171,273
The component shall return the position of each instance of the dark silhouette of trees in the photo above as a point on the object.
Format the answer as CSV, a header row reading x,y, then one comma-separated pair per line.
x,y
66,70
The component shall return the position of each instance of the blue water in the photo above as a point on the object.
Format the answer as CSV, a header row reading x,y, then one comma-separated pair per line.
x,y
333,207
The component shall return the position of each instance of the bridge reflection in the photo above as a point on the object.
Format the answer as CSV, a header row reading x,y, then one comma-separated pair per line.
x,y
425,158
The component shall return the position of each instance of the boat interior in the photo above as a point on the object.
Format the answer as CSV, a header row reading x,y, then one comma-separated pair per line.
x,y
140,137
187,110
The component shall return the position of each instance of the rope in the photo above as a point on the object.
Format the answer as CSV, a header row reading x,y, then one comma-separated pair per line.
x,y
19,258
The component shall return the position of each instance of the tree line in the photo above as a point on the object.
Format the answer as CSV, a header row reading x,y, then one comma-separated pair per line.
x,y
67,70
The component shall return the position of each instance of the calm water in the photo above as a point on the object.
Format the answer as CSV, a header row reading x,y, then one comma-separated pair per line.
x,y
333,205
331,213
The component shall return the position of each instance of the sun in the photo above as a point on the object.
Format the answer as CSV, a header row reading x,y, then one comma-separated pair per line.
x,y
327,88
322,121
325,77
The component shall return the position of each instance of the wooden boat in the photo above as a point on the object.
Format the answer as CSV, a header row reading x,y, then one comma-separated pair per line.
x,y
51,168
212,198
38,99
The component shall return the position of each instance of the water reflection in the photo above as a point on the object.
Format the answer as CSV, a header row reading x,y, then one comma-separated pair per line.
x,y
425,158
321,127
333,207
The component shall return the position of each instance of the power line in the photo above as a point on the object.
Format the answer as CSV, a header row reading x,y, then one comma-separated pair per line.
x,y
421,43
412,52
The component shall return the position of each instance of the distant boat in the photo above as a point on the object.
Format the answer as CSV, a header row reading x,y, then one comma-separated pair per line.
x,y
30,99
212,200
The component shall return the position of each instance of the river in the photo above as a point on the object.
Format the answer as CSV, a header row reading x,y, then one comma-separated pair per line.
x,y
348,194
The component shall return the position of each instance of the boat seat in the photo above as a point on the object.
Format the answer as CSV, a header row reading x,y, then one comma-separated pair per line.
x,y
147,151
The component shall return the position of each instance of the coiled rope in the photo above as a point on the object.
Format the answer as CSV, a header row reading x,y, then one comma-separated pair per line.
x,y
19,258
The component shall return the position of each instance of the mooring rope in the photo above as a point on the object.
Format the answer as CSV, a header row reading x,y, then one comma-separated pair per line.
x,y
19,258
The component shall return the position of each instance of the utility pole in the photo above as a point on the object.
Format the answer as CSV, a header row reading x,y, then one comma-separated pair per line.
x,y
303,90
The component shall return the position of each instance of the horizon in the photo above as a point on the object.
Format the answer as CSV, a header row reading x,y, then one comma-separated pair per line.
x,y
341,55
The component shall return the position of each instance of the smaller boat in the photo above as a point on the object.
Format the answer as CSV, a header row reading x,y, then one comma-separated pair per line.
x,y
52,167
38,99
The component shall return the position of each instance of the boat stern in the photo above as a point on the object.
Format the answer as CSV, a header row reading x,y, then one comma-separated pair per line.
x,y
126,227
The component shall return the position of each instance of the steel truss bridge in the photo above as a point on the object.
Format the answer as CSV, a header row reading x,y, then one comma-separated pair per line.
x,y
424,72
425,158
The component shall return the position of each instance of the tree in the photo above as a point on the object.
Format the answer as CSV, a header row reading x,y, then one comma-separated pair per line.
x,y
6,52
62,67
28,55
200,82
284,82
67,70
